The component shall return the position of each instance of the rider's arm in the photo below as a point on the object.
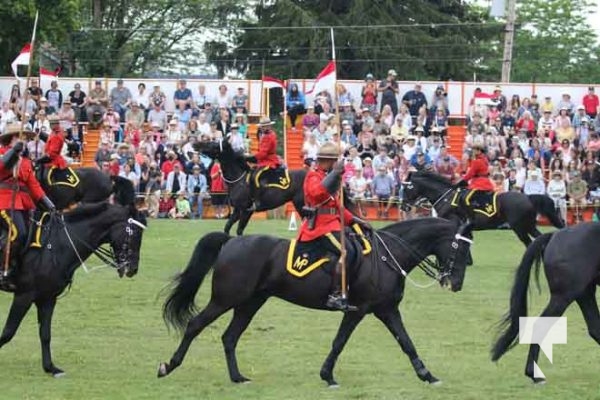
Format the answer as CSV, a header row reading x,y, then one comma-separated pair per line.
x,y
10,158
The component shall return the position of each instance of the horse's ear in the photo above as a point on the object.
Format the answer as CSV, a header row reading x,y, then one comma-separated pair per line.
x,y
124,191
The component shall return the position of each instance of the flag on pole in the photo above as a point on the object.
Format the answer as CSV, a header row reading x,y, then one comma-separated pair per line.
x,y
47,76
325,80
484,99
22,59
270,82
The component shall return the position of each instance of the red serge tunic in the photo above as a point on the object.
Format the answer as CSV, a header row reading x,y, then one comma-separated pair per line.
x,y
315,195
28,185
267,150
478,174
54,147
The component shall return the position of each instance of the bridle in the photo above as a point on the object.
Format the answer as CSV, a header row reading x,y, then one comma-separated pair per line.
x,y
236,180
431,268
421,199
107,256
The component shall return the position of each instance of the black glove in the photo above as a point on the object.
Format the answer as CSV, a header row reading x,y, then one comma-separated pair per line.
x,y
364,225
19,146
339,167
48,204
10,158
461,184
43,160
251,159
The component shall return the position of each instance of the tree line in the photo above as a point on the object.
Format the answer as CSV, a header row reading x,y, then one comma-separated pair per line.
x,y
421,40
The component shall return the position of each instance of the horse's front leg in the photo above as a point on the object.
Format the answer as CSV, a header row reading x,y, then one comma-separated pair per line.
x,y
391,318
234,216
349,323
45,310
245,216
18,309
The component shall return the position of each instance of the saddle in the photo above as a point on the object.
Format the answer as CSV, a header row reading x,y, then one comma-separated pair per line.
x,y
305,257
477,201
265,177
62,177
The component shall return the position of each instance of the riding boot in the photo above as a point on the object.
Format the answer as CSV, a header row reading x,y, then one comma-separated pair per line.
x,y
336,301
7,277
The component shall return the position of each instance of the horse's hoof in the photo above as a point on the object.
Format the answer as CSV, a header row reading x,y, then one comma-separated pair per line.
x,y
59,374
162,370
241,379
436,382
539,381
333,385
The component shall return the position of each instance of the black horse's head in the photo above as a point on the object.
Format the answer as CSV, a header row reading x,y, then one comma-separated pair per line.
x,y
126,234
216,149
422,186
125,238
454,256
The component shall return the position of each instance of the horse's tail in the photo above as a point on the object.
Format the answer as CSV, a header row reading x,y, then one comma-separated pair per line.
x,y
544,205
180,306
518,296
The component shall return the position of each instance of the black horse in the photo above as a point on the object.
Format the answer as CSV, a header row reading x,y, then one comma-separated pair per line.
x,y
63,242
88,185
250,269
571,259
513,207
236,174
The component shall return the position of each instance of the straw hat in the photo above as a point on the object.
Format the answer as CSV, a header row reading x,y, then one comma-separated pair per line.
x,y
265,121
328,151
15,129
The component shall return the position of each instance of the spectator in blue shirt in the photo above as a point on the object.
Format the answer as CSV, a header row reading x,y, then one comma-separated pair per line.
x,y
420,161
183,96
414,100
197,188
295,103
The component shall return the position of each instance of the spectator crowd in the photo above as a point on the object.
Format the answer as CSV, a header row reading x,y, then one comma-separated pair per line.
x,y
139,140
534,146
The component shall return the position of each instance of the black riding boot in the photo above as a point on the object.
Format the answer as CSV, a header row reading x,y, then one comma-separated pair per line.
x,y
336,301
7,277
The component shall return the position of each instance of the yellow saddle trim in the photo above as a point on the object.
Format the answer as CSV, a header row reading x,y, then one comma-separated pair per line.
x,y
73,179
37,240
11,224
365,243
490,209
298,266
284,181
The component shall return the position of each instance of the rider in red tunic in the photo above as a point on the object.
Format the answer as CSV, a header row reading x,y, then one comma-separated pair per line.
x,y
322,226
54,146
19,189
267,146
266,157
478,174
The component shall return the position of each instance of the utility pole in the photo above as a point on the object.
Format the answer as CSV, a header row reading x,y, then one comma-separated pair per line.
x,y
509,36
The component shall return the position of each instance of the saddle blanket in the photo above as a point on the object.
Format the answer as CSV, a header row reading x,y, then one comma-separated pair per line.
x,y
278,178
480,201
65,177
305,257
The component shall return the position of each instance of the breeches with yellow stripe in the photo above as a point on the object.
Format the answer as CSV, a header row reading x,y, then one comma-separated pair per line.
x,y
16,225
331,243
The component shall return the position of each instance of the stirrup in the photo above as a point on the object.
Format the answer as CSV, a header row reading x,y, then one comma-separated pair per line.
x,y
337,302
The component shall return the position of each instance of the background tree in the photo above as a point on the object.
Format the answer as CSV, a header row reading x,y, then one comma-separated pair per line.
x,y
555,43
436,50
57,19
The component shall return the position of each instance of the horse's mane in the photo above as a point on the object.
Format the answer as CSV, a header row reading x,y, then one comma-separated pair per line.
x,y
124,191
84,210
405,227
431,175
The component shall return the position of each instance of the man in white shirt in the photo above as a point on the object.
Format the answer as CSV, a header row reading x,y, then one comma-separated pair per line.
x,y
557,190
534,184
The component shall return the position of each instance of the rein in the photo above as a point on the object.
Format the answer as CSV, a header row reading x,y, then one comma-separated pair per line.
x,y
105,255
431,269
236,180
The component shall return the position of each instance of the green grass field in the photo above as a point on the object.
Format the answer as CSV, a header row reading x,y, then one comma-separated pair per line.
x,y
109,337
